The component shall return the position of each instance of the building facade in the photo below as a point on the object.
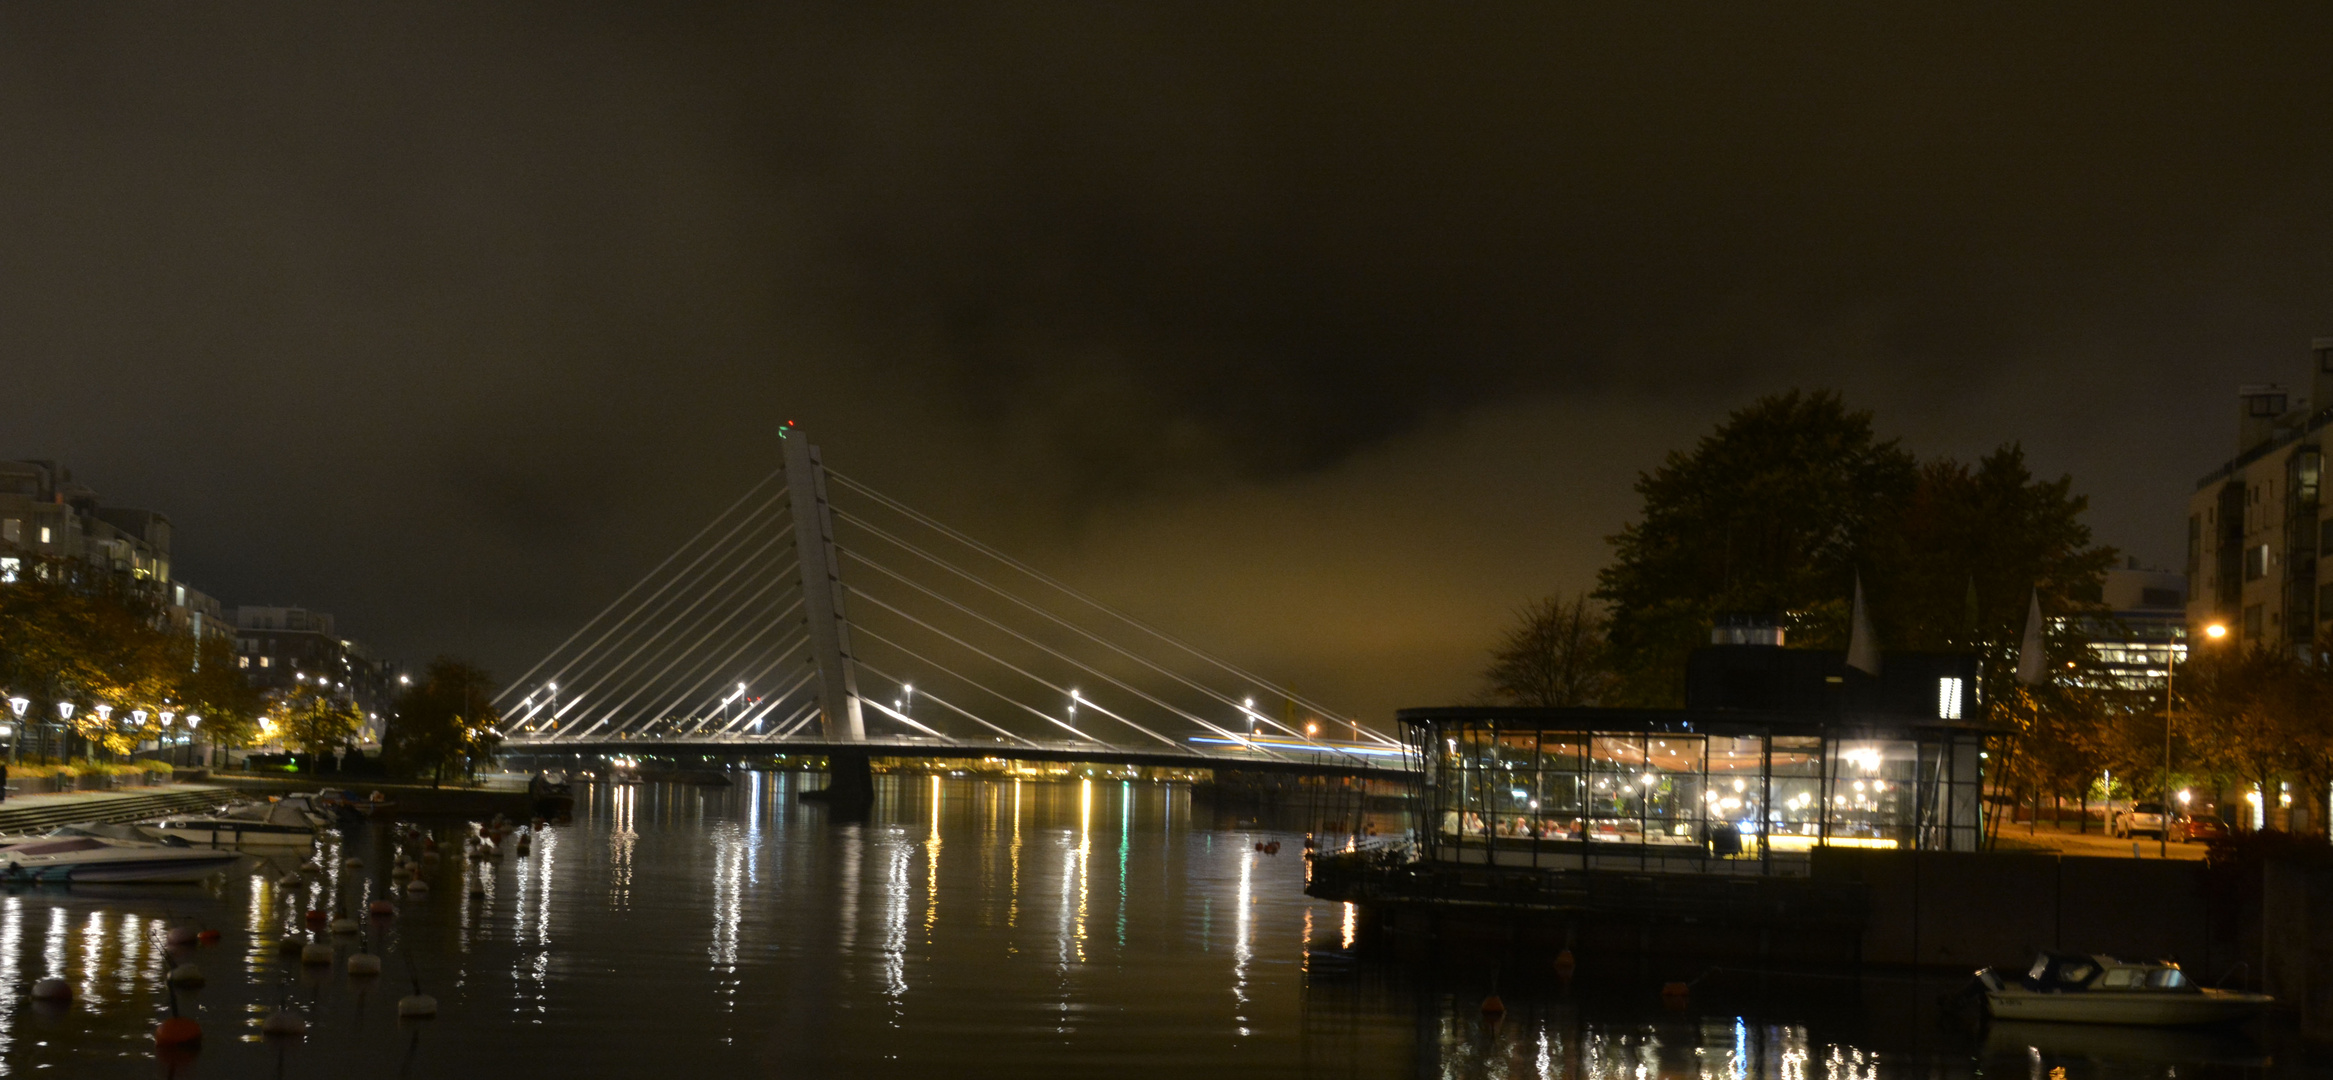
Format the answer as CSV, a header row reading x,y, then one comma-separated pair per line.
x,y
281,647
1776,752
2144,629
2257,526
50,524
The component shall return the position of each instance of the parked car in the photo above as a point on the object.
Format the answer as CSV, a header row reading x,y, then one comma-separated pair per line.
x,y
2136,820
2201,825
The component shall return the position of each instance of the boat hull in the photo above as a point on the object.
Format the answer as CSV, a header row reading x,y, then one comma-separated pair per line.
x,y
240,836
2125,1007
175,868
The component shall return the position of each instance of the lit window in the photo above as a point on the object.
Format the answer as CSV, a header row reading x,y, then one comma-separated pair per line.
x,y
242,661
1948,699
44,534
8,570
266,661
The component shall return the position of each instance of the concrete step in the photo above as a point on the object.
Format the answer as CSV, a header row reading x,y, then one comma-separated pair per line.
x,y
40,813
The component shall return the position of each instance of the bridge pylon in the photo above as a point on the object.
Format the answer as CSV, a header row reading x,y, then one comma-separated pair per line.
x,y
822,590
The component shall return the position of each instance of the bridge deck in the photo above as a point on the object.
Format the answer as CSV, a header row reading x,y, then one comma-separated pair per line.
x,y
1327,761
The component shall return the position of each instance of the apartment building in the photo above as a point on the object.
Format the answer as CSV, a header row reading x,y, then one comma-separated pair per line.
x,y
2257,527
49,524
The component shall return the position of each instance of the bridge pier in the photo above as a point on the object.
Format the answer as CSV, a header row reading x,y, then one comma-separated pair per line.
x,y
850,785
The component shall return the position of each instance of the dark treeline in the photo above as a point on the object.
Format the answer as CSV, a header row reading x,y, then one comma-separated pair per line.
x,y
1792,500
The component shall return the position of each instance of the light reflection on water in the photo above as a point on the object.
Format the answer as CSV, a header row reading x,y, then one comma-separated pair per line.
x,y
678,929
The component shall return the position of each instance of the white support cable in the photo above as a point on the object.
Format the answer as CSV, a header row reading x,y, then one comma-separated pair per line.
x,y
1087,702
865,701
903,510
619,624
1034,643
634,678
944,703
620,669
1089,635
801,716
598,666
784,635
746,712
751,716
985,654
645,579
702,592
810,671
810,707
694,646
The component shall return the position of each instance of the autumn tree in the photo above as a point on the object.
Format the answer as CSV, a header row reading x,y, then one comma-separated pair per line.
x,y
105,640
316,720
445,722
1554,656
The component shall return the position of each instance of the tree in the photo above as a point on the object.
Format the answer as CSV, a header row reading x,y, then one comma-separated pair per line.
x,y
445,721
2258,716
1766,514
1957,567
1794,498
316,720
66,635
1554,656
214,689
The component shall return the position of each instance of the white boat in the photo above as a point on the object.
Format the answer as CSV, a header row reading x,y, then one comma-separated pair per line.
x,y
285,825
2094,989
100,853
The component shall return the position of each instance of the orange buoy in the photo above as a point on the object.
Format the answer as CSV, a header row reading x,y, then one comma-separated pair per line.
x,y
316,917
1564,964
1492,1006
177,1031
208,937
1674,994
381,909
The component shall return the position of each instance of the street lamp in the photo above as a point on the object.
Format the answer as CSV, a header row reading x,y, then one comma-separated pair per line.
x,y
17,706
2214,631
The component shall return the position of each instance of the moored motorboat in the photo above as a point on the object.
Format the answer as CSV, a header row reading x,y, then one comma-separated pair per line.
x,y
287,824
103,853
2096,989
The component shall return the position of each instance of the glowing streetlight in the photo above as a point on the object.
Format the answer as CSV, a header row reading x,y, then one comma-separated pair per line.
x,y
137,719
104,714
17,705
65,710
2216,630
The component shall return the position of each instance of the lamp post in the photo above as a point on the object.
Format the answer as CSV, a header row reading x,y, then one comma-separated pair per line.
x,y
64,717
192,722
16,706
2214,631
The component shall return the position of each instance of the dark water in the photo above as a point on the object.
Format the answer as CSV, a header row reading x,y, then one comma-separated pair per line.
x,y
976,928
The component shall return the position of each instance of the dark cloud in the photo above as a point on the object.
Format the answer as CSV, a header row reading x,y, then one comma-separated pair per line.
x,y
448,317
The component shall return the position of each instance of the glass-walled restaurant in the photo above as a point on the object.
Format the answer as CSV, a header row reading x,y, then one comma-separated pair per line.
x,y
1709,791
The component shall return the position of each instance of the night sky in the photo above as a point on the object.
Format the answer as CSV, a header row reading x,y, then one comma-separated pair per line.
x,y
1323,336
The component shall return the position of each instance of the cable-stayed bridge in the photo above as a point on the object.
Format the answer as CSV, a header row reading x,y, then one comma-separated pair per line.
x,y
815,615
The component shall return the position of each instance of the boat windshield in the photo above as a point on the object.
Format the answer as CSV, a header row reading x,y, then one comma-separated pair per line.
x,y
2054,972
2167,979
